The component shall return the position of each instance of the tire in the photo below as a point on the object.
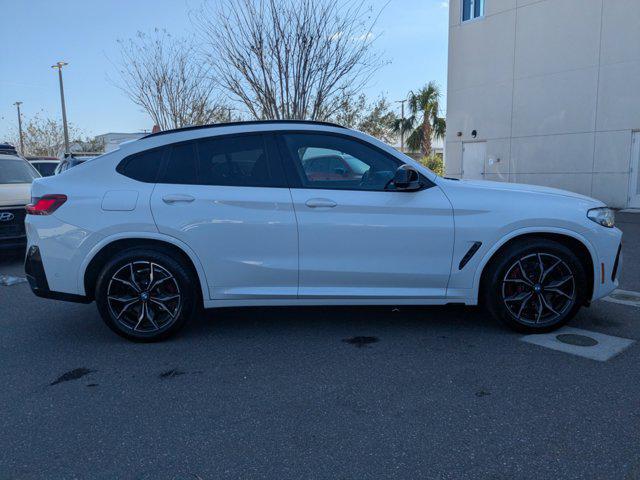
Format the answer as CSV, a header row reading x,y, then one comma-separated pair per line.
x,y
534,286
156,304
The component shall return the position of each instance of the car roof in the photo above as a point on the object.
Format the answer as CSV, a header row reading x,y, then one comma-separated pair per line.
x,y
239,124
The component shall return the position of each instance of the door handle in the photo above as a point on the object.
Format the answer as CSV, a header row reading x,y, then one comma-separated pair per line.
x,y
320,203
177,198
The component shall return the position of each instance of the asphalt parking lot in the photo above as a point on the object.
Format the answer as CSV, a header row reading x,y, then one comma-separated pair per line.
x,y
335,393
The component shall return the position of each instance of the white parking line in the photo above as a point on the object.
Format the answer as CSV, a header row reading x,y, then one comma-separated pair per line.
x,y
624,297
7,280
593,345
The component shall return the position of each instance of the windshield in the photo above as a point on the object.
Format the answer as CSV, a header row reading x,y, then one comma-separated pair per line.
x,y
16,171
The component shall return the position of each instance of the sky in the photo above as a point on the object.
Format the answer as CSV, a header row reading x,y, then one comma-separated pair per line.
x,y
37,33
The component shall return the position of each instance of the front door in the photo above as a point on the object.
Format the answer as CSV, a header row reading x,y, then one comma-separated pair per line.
x,y
634,181
473,160
227,199
358,237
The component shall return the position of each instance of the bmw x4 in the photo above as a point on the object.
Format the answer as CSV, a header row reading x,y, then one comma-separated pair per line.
x,y
266,213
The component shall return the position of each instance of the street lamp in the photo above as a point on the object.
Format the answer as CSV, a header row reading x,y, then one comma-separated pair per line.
x,y
59,66
401,102
17,104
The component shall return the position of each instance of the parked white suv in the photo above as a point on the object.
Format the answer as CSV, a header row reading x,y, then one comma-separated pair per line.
x,y
242,214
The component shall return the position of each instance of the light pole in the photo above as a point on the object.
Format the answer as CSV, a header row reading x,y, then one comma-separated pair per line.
x,y
59,66
17,104
401,102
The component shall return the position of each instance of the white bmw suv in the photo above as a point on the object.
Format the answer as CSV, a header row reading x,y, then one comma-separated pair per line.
x,y
306,213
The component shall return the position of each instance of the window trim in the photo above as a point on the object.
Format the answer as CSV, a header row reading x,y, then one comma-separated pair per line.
x,y
472,10
293,176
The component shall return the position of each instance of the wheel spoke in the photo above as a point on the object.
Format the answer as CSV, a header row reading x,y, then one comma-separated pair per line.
x,y
542,279
126,307
518,297
541,276
559,292
540,309
150,316
524,304
141,316
162,306
524,274
127,283
559,283
133,278
150,276
166,298
159,282
548,305
122,299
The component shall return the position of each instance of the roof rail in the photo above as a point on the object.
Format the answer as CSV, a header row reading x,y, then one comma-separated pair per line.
x,y
249,122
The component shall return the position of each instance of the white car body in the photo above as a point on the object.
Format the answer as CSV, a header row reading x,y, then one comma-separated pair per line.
x,y
297,246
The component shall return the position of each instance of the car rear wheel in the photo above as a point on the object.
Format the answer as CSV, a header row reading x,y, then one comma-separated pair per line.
x,y
535,286
145,295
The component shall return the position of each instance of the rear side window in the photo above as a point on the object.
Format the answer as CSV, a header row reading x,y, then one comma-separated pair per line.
x,y
182,165
143,166
241,161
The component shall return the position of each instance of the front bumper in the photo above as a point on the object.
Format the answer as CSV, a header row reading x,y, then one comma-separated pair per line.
x,y
34,271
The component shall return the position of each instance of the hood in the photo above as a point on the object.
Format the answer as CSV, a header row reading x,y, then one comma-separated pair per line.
x,y
15,194
525,188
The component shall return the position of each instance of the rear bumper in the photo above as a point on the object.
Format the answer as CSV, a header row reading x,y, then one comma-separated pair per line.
x,y
34,271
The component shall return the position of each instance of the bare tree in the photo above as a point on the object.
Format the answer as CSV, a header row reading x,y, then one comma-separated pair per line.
x,y
376,118
289,59
162,75
44,136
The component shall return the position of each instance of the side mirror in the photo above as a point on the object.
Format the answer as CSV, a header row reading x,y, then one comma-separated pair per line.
x,y
407,178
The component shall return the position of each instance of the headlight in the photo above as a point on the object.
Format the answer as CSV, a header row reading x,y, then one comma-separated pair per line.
x,y
604,216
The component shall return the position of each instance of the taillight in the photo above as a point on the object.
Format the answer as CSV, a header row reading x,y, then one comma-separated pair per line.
x,y
46,204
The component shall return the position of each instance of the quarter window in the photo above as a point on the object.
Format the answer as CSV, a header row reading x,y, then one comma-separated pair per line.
x,y
472,9
143,166
336,162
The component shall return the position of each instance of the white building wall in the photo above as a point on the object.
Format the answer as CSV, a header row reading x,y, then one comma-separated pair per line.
x,y
553,87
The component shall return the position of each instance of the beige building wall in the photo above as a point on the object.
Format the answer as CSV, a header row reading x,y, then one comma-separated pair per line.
x,y
553,87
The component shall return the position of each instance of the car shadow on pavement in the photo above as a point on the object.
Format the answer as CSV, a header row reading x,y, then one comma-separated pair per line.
x,y
359,319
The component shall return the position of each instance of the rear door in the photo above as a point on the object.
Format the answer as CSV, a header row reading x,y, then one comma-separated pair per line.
x,y
359,238
226,197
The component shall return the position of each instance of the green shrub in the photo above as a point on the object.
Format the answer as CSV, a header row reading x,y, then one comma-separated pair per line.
x,y
434,163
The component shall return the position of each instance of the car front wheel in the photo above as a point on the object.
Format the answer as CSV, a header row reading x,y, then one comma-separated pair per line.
x,y
535,286
145,295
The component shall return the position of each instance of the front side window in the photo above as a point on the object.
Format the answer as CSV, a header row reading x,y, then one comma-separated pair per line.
x,y
336,162
16,171
472,9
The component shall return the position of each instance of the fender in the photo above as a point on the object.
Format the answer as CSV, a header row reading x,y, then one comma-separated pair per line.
x,y
528,230
202,277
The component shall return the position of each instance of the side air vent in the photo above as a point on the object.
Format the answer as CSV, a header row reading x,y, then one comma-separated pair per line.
x,y
467,256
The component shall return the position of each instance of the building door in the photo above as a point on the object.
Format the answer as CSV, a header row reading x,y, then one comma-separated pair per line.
x,y
634,182
473,158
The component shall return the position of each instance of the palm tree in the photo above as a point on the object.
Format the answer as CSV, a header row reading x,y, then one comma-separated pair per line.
x,y
424,122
